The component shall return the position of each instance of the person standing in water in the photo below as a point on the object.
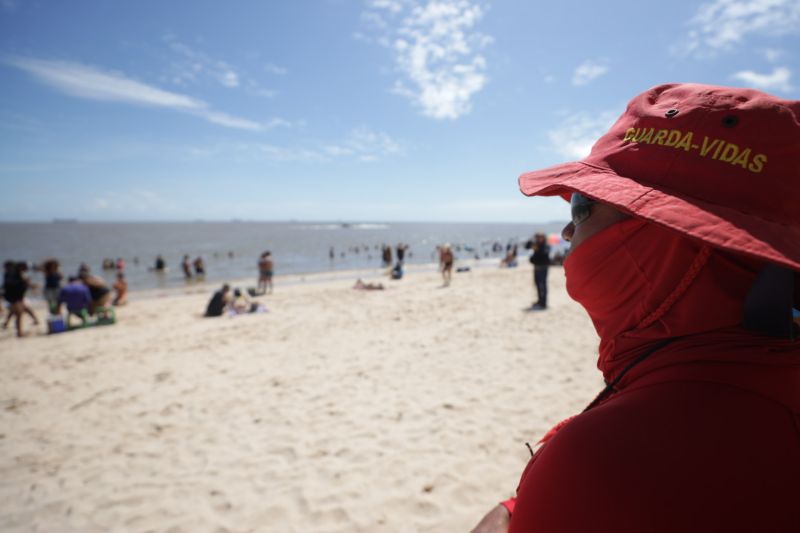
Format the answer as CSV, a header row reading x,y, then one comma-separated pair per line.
x,y
265,270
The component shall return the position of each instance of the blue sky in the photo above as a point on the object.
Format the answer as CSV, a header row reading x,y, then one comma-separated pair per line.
x,y
386,110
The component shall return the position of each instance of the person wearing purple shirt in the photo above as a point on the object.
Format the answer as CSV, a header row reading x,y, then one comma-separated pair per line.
x,y
75,295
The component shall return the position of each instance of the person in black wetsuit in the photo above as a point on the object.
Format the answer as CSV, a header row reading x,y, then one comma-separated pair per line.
x,y
218,302
540,259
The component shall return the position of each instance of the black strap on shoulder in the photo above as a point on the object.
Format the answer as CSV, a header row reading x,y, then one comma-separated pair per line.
x,y
609,388
768,305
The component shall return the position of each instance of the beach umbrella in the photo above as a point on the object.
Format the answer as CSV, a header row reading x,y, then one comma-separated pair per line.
x,y
554,238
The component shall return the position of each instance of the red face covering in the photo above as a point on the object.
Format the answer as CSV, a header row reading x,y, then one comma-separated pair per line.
x,y
641,283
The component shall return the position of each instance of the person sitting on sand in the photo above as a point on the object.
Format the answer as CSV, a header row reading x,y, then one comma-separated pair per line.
x,y
121,289
242,304
76,297
98,289
219,301
361,286
397,271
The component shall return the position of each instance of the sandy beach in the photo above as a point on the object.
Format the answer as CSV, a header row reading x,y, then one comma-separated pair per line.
x,y
401,410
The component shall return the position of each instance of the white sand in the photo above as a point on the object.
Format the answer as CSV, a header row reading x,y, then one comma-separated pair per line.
x,y
338,411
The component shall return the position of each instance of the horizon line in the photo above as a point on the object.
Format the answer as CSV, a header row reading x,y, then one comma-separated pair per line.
x,y
69,220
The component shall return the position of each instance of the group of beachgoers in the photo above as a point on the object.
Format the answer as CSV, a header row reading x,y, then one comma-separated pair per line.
x,y
84,295
238,301
232,302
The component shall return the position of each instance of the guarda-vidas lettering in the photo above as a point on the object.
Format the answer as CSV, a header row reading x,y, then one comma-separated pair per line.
x,y
716,149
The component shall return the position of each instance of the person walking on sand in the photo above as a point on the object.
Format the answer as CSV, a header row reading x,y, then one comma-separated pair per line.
x,y
685,253
446,263
121,290
540,259
15,284
265,268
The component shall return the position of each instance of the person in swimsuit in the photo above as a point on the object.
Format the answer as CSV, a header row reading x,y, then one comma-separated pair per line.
x,y
199,267
186,265
15,285
121,288
265,271
98,289
52,283
446,263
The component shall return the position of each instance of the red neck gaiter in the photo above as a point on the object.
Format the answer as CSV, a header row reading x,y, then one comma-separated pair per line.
x,y
641,283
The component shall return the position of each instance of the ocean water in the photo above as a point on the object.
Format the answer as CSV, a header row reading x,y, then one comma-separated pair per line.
x,y
230,250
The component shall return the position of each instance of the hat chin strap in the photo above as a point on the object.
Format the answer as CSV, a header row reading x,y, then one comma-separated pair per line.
x,y
768,305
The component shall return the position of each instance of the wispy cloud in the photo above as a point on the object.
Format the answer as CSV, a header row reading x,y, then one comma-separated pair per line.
x,y
777,80
189,65
574,137
365,145
361,144
587,71
723,24
275,69
437,50
91,83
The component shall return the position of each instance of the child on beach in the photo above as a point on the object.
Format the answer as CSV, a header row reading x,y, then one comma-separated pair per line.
x,y
121,288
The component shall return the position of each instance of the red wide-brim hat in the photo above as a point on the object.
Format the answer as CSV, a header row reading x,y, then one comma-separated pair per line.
x,y
718,164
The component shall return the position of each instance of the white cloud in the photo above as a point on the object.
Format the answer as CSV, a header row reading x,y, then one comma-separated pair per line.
x,y
192,64
722,24
90,83
436,49
588,71
360,144
365,145
777,80
275,69
229,79
578,132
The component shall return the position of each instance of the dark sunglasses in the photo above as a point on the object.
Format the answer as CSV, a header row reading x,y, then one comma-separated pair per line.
x,y
581,208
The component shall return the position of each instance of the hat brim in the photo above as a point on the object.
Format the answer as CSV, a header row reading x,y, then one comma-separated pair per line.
x,y
719,226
